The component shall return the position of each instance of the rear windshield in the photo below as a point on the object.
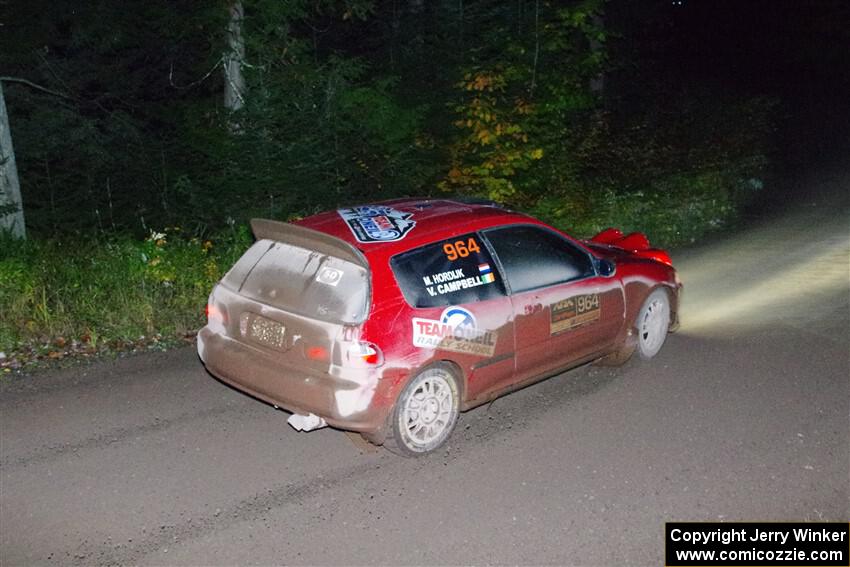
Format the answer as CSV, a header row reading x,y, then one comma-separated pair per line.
x,y
449,272
302,281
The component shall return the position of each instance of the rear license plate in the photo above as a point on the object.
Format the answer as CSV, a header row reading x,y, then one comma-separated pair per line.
x,y
266,331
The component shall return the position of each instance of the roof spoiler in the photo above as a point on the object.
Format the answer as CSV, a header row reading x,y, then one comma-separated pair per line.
x,y
307,238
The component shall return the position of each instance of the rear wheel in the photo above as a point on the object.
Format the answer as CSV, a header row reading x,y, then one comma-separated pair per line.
x,y
652,324
425,413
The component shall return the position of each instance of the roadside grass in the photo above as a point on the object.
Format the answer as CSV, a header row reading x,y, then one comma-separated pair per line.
x,y
68,296
674,211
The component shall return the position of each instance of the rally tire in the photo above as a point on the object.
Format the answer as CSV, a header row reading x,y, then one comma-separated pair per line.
x,y
425,413
653,324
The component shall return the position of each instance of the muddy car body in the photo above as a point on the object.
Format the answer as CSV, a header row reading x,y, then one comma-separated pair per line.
x,y
389,319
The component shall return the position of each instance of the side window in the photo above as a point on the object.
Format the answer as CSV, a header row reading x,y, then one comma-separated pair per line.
x,y
534,257
449,272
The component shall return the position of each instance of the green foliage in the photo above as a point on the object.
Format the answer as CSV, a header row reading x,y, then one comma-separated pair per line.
x,y
113,289
676,181
318,129
496,146
96,154
672,211
517,105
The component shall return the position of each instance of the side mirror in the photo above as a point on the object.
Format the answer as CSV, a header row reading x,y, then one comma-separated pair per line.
x,y
606,268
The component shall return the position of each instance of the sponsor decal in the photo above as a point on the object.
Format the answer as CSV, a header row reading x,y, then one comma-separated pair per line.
x,y
574,312
329,276
456,330
454,280
377,223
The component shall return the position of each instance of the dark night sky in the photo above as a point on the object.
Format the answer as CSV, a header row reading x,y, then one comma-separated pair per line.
x,y
798,51
771,46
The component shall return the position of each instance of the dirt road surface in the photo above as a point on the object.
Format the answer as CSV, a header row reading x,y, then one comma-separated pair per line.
x,y
742,416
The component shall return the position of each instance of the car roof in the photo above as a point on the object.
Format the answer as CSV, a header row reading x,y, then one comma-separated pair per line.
x,y
435,219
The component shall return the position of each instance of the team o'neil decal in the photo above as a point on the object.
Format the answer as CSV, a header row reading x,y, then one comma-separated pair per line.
x,y
377,223
456,330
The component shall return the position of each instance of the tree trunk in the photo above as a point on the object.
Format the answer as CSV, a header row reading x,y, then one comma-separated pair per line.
x,y
10,189
416,9
234,80
597,83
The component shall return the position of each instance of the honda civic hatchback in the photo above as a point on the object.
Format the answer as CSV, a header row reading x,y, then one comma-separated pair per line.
x,y
390,319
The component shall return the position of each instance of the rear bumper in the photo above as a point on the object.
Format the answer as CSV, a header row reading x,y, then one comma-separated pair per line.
x,y
359,401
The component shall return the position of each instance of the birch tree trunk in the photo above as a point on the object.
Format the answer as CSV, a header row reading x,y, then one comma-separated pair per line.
x,y
234,80
10,189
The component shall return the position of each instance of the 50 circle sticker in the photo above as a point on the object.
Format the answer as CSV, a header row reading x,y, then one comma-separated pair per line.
x,y
329,276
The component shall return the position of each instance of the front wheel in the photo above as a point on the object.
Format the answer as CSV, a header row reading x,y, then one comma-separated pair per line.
x,y
653,322
425,413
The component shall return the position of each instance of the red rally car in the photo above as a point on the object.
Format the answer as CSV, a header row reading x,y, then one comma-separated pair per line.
x,y
391,318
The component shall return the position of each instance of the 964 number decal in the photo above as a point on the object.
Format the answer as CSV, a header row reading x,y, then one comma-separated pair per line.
x,y
574,312
460,249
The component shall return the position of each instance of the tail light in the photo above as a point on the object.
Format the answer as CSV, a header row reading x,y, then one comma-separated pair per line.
x,y
365,354
317,353
216,315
